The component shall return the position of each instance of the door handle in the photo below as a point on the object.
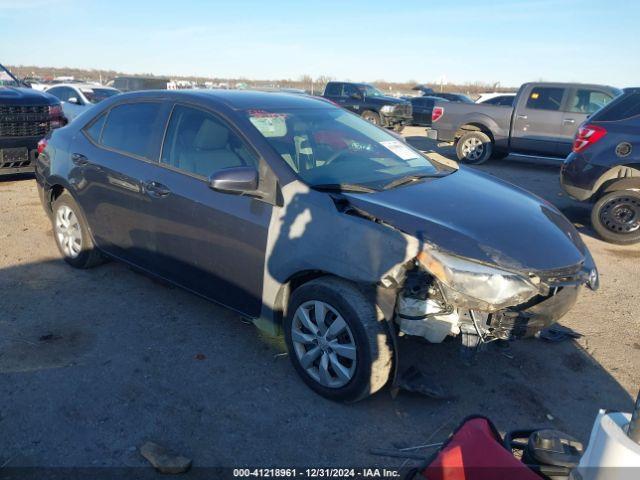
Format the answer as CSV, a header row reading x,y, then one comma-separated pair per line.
x,y
522,117
569,121
156,189
79,159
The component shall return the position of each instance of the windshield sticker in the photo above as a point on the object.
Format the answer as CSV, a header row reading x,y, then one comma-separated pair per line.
x,y
399,149
270,125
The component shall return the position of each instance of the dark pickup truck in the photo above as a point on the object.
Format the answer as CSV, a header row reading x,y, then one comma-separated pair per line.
x,y
370,103
543,121
26,116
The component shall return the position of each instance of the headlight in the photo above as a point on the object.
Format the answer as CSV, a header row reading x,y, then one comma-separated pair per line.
x,y
481,286
387,109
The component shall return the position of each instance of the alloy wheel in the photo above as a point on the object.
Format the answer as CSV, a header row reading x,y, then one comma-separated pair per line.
x,y
68,232
324,344
472,149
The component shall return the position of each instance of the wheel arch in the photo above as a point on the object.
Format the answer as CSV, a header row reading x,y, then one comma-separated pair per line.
x,y
474,127
620,177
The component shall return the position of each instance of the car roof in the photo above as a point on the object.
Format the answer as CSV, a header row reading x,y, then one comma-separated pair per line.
x,y
237,99
79,85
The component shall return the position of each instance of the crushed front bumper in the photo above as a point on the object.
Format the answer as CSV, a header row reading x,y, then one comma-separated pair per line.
x,y
535,315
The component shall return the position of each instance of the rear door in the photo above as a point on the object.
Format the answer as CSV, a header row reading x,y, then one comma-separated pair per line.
x,y
210,242
582,102
537,120
115,156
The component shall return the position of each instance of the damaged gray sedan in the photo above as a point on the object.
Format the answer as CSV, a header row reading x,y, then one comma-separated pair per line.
x,y
311,222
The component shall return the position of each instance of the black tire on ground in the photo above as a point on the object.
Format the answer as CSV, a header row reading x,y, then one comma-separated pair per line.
x,y
88,256
616,217
474,148
374,350
398,128
372,117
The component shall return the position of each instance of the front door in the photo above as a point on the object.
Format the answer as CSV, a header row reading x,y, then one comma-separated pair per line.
x,y
537,121
209,242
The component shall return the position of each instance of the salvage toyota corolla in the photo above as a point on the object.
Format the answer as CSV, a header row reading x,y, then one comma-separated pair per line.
x,y
309,220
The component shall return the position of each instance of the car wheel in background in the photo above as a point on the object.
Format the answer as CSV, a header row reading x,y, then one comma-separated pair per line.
x,y
72,235
336,340
616,217
372,117
474,148
398,128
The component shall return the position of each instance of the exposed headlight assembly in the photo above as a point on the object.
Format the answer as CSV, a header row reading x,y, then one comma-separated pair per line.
x,y
472,285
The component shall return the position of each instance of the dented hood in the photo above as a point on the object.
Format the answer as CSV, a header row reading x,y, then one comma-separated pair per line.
x,y
473,215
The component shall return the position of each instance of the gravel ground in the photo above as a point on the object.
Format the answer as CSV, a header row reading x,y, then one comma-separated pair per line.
x,y
94,363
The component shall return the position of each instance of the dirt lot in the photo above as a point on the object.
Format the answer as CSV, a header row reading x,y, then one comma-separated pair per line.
x,y
94,363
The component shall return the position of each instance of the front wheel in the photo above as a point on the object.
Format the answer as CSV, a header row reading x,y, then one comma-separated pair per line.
x,y
371,117
616,217
474,148
336,341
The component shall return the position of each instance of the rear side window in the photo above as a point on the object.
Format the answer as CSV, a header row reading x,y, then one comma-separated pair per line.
x,y
95,129
623,107
130,128
587,101
333,89
545,98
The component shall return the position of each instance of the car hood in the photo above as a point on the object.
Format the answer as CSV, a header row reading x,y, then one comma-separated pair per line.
x,y
25,96
473,215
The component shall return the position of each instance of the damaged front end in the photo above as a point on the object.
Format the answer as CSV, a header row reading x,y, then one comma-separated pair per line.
x,y
447,295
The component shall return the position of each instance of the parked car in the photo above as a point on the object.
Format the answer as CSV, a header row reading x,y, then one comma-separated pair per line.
x,y
77,97
26,116
542,122
370,103
422,108
133,84
452,97
604,168
308,219
504,99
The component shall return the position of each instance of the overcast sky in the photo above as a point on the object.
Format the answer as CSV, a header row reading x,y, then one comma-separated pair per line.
x,y
461,41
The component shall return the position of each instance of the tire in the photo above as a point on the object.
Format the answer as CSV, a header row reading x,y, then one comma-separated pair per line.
x,y
474,148
368,369
72,235
372,117
616,217
398,128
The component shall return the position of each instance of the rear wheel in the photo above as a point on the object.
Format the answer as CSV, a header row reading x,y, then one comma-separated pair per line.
x,y
474,148
72,235
372,117
616,217
336,341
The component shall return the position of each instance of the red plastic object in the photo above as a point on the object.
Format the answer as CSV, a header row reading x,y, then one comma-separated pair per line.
x,y
475,452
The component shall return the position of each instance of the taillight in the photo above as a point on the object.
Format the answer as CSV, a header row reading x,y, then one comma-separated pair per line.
x,y
42,144
586,136
436,113
55,111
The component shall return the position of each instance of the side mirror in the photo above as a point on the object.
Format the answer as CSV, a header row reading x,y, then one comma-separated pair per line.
x,y
234,180
74,100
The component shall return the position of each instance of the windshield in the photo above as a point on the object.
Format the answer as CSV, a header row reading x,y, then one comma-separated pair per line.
x,y
370,91
330,146
96,95
7,79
